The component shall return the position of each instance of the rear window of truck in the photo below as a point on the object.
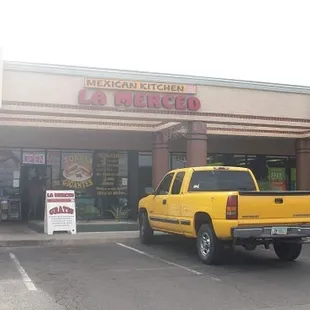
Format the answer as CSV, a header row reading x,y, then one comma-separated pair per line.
x,y
224,180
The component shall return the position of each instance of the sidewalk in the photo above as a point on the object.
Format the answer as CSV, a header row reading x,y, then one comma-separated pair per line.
x,y
12,235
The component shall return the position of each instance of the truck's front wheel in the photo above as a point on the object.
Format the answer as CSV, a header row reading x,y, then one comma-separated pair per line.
x,y
208,245
287,251
146,231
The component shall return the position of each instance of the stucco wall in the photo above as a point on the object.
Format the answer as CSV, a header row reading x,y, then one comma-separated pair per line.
x,y
254,102
63,89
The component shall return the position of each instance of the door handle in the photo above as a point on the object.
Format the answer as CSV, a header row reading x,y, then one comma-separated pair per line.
x,y
164,201
278,200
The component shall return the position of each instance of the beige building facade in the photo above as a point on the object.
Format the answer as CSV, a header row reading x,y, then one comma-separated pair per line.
x,y
124,130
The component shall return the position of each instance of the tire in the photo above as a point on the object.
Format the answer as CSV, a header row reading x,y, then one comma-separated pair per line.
x,y
209,247
250,247
146,231
287,251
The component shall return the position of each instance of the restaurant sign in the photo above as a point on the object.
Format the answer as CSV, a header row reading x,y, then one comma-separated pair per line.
x,y
60,211
139,86
141,100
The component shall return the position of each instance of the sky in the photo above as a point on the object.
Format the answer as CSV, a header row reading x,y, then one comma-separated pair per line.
x,y
250,40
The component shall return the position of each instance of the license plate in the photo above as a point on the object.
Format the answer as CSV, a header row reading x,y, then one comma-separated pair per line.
x,y
279,230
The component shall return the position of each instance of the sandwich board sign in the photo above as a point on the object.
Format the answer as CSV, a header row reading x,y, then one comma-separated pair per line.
x,y
60,211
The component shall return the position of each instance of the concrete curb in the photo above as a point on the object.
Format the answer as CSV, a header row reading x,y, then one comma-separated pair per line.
x,y
97,239
92,228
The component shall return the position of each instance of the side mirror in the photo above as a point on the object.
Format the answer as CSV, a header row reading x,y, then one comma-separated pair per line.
x,y
149,190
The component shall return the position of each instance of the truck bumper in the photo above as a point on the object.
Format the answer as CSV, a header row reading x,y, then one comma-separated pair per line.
x,y
268,232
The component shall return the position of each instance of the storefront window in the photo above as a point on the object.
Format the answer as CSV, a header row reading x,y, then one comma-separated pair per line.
x,y
226,160
178,160
271,172
292,167
77,174
10,162
257,165
145,159
144,173
111,184
278,172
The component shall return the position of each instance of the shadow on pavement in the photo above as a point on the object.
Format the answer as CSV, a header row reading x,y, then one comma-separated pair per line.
x,y
236,259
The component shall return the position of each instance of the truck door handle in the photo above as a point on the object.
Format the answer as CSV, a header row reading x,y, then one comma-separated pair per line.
x,y
278,200
164,201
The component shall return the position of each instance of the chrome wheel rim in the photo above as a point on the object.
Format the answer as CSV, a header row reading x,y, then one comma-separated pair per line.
x,y
205,244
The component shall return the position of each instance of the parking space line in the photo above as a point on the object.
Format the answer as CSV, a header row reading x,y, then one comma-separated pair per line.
x,y
27,281
159,259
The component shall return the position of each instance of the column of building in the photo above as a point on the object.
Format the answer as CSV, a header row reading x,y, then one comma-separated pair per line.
x,y
196,150
160,157
303,164
196,144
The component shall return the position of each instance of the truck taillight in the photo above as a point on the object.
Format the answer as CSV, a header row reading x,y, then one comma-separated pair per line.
x,y
232,207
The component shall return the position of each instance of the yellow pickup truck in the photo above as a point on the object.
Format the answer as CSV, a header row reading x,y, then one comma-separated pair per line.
x,y
223,206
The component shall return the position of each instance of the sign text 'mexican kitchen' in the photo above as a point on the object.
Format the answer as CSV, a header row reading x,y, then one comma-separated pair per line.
x,y
141,100
139,86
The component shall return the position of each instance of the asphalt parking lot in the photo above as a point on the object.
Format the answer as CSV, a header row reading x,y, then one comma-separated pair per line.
x,y
165,275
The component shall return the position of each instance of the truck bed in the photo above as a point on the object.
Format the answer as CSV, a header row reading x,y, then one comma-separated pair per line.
x,y
276,214
281,205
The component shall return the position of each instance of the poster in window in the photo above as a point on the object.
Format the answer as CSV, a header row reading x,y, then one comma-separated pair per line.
x,y
110,173
277,178
34,158
77,170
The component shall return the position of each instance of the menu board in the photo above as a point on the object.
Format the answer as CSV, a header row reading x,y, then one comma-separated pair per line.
x,y
109,177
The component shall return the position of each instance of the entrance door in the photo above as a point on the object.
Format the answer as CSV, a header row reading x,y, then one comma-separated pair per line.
x,y
33,181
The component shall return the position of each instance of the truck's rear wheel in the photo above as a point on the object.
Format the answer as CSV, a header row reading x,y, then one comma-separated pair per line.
x,y
146,231
209,247
287,251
